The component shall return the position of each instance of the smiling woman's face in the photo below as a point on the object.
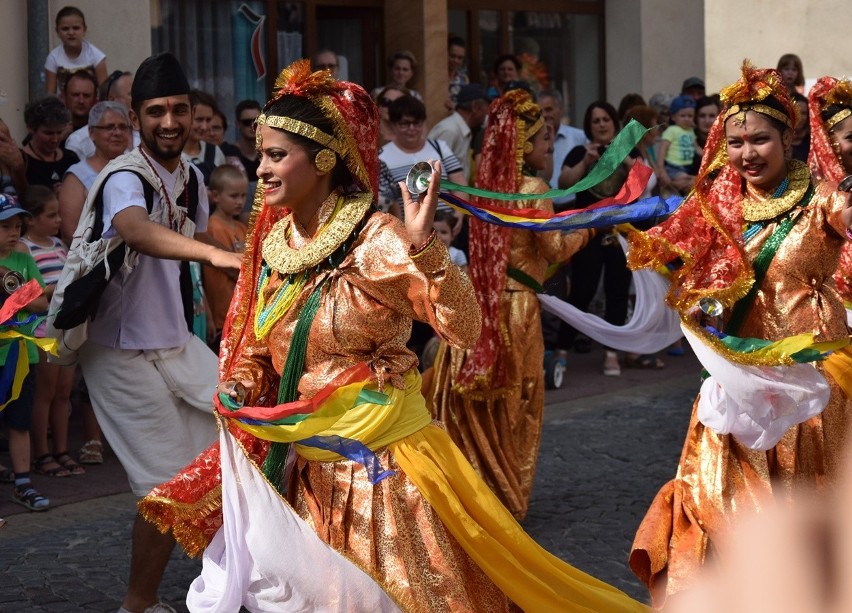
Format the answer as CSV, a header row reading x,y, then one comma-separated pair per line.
x,y
756,150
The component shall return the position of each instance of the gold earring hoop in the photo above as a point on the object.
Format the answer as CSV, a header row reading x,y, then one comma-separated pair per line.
x,y
325,160
528,147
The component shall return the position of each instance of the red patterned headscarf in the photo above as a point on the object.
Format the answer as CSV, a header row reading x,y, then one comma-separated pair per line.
x,y
512,120
834,96
706,231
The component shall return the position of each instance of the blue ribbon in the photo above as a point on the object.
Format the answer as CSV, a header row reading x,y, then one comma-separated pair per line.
x,y
7,375
351,450
654,208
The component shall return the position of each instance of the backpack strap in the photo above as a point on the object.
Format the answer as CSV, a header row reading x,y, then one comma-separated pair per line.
x,y
98,202
186,289
437,147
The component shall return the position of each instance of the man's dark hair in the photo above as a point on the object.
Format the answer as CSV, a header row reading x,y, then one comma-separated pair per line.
x,y
81,74
455,41
242,105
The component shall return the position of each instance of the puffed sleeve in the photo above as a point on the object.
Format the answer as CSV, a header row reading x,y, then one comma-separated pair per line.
x,y
833,202
253,363
427,286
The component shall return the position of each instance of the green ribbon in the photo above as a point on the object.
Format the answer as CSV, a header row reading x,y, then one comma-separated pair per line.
x,y
623,143
524,279
761,264
751,345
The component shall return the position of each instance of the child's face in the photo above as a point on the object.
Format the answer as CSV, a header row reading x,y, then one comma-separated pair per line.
x,y
789,74
47,222
444,232
231,199
10,234
71,31
684,118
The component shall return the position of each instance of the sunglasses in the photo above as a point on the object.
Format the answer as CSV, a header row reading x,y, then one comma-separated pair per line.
x,y
326,66
248,121
409,124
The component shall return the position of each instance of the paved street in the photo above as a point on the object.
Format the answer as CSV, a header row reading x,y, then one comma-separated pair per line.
x,y
603,456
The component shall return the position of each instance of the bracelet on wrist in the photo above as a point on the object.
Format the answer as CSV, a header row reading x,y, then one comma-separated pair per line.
x,y
415,252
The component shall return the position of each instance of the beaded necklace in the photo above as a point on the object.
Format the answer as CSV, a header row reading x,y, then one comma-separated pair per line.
x,y
174,224
268,312
781,201
786,196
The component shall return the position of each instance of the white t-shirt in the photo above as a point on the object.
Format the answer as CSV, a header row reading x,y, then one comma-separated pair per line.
x,y
90,56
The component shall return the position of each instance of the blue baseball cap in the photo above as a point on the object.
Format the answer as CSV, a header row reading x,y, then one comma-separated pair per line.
x,y
680,103
9,207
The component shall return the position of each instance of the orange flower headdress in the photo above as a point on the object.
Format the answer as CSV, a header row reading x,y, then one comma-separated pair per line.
x,y
829,104
705,234
512,120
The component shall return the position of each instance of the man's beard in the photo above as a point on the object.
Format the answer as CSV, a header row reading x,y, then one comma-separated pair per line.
x,y
151,144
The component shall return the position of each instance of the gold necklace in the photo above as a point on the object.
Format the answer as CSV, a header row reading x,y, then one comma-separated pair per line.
x,y
282,258
757,208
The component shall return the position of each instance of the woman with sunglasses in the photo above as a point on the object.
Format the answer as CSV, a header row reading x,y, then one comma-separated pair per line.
x,y
383,101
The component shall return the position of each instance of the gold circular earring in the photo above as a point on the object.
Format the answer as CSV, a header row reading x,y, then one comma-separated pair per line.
x,y
528,147
325,160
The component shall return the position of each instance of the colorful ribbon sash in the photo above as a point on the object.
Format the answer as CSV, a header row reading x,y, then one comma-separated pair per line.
x,y
302,421
621,208
16,334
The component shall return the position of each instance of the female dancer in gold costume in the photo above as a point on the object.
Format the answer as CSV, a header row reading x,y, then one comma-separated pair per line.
x,y
315,342
491,398
763,238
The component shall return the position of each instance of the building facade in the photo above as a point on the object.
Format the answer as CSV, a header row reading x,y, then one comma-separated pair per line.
x,y
587,49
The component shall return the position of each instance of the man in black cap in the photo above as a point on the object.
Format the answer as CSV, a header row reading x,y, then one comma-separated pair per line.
x,y
151,381
457,129
693,87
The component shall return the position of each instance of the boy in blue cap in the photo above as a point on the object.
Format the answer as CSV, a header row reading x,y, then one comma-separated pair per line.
x,y
677,147
17,414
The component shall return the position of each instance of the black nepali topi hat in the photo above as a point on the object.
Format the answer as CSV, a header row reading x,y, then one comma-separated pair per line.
x,y
158,76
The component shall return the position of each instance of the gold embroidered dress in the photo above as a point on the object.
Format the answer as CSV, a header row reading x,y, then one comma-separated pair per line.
x,y
499,430
718,477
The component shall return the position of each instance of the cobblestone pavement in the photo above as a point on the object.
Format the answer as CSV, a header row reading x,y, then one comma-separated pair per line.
x,y
603,457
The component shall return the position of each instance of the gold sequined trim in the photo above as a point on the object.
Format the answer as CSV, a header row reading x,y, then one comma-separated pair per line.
x,y
286,260
770,208
537,125
837,118
302,129
740,109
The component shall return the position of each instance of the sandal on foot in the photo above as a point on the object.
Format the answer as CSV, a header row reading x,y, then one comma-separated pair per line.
x,y
611,367
68,463
92,452
30,498
45,460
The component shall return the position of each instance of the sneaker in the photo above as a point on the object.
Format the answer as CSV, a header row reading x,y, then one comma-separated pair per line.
x,y
30,498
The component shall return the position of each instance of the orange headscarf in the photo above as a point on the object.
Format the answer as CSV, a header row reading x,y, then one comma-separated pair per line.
x,y
824,161
706,231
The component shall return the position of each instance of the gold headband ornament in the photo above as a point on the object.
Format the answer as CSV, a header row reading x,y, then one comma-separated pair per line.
x,y
301,128
738,111
837,118
533,129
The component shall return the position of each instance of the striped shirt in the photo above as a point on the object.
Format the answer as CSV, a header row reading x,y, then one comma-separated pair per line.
x,y
49,260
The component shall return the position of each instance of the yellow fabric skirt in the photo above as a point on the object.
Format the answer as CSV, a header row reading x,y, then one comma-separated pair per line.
x,y
531,577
